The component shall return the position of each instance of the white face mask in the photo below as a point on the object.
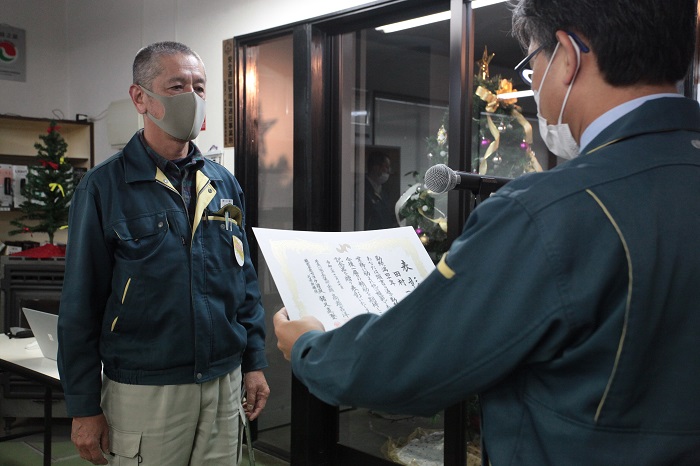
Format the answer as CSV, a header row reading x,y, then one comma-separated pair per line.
x,y
184,114
383,178
558,138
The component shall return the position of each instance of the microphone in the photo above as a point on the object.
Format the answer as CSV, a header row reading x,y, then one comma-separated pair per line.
x,y
440,178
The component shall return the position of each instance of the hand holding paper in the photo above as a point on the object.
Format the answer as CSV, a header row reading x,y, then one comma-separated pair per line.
x,y
335,276
288,332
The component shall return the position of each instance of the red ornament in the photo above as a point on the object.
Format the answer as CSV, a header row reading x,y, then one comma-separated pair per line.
x,y
46,163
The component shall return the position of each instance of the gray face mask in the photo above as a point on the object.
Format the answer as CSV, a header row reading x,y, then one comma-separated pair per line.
x,y
184,114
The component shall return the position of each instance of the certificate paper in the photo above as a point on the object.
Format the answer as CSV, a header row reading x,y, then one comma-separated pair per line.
x,y
335,276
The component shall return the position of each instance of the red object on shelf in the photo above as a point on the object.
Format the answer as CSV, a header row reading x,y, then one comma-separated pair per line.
x,y
47,250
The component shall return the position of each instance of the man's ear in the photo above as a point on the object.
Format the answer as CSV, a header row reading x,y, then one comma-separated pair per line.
x,y
572,55
137,97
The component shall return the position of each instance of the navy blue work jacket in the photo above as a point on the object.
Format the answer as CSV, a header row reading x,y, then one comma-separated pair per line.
x,y
570,303
153,298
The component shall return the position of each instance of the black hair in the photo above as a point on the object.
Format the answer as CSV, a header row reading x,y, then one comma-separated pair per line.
x,y
635,41
376,158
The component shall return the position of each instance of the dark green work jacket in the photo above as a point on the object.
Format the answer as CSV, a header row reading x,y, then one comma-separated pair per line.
x,y
570,303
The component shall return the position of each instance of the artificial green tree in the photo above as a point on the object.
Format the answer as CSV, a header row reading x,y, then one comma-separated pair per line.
x,y
48,189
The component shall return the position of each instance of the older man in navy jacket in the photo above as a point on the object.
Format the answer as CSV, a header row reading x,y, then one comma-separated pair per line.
x,y
160,294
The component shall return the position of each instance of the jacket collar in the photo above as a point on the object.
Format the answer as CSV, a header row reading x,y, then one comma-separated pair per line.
x,y
138,166
656,116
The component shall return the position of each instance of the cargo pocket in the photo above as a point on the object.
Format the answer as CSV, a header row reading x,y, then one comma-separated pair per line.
x,y
124,447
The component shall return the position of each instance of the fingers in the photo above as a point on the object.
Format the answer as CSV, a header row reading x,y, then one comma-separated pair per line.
x,y
280,317
104,444
288,332
281,323
91,437
312,323
257,393
255,406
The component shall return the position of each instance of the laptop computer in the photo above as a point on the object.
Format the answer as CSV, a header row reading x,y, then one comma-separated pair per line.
x,y
44,326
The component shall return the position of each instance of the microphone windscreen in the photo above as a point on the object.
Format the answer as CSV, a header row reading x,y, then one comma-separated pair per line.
x,y
440,178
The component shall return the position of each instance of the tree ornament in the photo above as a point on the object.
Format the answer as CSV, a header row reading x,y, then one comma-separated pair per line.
x,y
484,64
441,136
503,147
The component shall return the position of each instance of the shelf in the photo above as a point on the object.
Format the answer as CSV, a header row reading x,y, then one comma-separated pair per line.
x,y
17,138
19,134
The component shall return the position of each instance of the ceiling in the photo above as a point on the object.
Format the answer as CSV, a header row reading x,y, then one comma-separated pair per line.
x,y
492,30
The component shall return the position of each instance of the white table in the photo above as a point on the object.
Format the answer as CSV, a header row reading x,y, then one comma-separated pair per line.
x,y
16,357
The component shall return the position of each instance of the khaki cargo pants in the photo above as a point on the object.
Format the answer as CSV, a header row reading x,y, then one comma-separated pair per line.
x,y
175,425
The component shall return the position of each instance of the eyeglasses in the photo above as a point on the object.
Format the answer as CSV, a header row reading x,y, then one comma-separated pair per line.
x,y
522,68
526,73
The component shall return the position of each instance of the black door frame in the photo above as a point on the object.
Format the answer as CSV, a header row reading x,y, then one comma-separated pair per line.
x,y
316,171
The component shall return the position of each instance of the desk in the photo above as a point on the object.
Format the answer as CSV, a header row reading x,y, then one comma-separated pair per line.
x,y
29,363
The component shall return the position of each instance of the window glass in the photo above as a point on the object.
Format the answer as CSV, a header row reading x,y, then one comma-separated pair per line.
x,y
394,95
269,77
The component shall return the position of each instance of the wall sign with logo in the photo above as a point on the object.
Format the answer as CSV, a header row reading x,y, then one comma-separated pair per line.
x,y
229,89
13,53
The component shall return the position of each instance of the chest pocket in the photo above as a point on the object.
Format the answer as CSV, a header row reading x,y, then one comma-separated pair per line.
x,y
139,237
223,230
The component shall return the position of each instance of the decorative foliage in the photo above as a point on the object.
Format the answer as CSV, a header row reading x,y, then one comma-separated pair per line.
x,y
438,145
49,188
417,204
503,147
417,209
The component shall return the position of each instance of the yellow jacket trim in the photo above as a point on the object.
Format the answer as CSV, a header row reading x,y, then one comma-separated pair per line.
x,y
445,269
627,305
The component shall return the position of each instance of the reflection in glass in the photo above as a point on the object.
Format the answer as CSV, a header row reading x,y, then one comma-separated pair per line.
x,y
269,81
394,94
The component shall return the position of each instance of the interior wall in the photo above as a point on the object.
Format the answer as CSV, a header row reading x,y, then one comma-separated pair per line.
x,y
46,86
79,52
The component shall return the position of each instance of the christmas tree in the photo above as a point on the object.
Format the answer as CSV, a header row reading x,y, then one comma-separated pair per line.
x,y
503,147
417,205
417,209
49,188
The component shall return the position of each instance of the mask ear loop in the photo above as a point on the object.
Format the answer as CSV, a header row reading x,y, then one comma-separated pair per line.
x,y
549,65
578,65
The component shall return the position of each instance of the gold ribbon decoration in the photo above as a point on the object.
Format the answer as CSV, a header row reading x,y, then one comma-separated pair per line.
x,y
441,221
493,147
58,186
534,165
492,104
489,97
505,86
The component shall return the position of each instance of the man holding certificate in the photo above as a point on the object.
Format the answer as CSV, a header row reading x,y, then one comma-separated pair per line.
x,y
570,301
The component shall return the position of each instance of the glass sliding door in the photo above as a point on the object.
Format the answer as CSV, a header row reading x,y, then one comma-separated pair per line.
x,y
338,121
266,158
393,100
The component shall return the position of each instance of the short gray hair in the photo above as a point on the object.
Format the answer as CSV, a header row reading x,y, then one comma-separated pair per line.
x,y
147,61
